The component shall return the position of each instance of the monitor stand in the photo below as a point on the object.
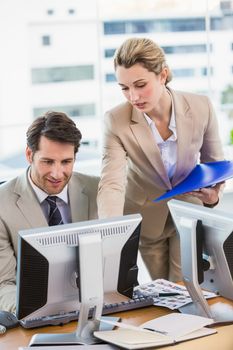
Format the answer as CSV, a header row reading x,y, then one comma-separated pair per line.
x,y
91,292
221,313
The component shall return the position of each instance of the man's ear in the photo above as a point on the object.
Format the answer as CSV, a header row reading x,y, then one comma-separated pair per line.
x,y
29,154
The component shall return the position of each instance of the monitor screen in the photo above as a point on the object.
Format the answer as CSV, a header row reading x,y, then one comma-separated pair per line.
x,y
206,241
48,259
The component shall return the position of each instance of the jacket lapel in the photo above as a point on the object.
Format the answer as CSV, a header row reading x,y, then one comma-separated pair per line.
x,y
28,203
184,127
145,139
30,207
79,201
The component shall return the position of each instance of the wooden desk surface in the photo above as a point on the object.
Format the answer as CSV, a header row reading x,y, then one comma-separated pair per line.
x,y
223,340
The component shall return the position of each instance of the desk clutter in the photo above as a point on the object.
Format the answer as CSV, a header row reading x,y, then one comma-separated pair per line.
x,y
167,294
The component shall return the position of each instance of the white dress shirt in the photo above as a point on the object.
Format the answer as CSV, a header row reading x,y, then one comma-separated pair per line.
x,y
168,148
62,201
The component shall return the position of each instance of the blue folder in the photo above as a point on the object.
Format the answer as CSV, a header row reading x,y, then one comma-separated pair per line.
x,y
203,175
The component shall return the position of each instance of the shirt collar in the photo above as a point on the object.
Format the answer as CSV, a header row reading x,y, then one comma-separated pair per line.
x,y
172,124
42,195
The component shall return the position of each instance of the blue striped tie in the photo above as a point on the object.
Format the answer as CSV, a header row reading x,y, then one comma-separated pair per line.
x,y
54,213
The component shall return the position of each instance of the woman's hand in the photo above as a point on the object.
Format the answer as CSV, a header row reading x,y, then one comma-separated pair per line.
x,y
208,195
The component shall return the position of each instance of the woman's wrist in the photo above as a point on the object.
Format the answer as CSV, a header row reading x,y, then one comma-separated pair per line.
x,y
208,205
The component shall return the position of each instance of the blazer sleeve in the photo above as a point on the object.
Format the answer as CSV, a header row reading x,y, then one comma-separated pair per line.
x,y
112,185
7,271
211,149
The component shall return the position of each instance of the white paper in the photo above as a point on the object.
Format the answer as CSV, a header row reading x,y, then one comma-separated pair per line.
x,y
176,325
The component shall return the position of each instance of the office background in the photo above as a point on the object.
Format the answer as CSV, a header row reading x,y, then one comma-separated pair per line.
x,y
57,55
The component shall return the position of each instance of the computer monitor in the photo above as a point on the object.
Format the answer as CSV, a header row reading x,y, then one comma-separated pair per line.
x,y
206,243
48,265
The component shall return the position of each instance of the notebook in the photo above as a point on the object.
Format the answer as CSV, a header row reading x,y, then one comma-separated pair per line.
x,y
165,330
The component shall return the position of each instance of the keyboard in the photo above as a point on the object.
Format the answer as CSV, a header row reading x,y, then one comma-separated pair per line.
x,y
131,304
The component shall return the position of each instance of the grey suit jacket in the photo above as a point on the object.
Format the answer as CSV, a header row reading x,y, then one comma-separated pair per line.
x,y
132,165
20,209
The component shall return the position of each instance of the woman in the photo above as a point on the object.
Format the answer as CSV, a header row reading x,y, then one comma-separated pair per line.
x,y
151,143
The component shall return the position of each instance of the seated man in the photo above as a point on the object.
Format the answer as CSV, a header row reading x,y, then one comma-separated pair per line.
x,y
52,143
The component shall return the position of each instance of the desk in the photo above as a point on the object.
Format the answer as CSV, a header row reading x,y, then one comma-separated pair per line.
x,y
222,340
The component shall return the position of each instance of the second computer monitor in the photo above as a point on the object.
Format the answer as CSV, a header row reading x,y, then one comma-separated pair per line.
x,y
206,242
206,239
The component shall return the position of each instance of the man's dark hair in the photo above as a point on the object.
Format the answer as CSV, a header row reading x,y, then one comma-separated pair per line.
x,y
56,126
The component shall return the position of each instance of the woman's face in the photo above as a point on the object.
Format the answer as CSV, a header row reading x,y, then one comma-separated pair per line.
x,y
143,89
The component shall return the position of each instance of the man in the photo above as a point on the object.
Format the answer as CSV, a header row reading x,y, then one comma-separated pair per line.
x,y
52,143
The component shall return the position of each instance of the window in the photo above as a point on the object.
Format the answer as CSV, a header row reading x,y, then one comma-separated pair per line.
x,y
109,53
50,12
222,23
191,72
46,40
58,74
71,11
226,5
183,72
204,71
167,25
114,28
156,25
110,77
183,49
140,26
81,110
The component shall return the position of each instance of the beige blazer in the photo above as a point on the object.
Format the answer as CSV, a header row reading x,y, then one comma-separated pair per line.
x,y
20,209
132,164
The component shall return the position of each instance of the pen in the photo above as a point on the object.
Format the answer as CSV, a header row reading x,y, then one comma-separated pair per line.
x,y
156,330
157,294
168,294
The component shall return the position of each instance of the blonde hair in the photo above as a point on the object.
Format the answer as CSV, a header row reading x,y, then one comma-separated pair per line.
x,y
143,51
